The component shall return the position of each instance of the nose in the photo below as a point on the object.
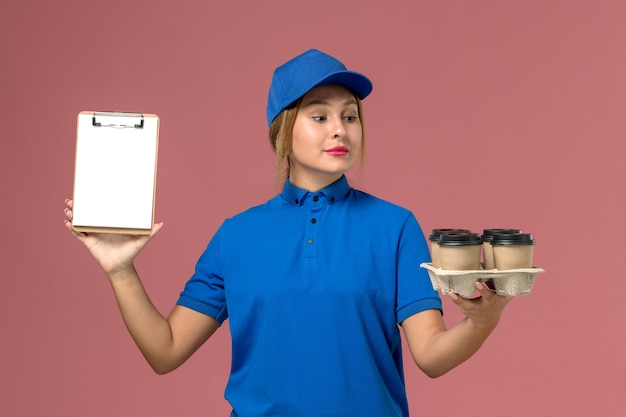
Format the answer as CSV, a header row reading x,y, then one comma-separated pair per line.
x,y
338,129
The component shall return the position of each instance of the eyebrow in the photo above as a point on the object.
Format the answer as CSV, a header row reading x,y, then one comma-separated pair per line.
x,y
320,102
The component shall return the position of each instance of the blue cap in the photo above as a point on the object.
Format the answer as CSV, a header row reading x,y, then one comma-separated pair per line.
x,y
313,68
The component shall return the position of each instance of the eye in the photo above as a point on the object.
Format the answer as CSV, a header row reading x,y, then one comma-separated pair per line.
x,y
319,118
351,119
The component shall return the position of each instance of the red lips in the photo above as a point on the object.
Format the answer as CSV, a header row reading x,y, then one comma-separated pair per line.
x,y
337,151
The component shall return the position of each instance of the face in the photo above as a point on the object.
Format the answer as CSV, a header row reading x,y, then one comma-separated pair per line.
x,y
327,137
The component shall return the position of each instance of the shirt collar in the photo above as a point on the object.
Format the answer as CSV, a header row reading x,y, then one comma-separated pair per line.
x,y
334,192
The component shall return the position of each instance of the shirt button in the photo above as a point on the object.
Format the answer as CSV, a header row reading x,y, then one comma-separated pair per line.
x,y
315,198
309,241
332,199
296,201
313,220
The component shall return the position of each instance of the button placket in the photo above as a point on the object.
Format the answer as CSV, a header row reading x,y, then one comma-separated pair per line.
x,y
316,204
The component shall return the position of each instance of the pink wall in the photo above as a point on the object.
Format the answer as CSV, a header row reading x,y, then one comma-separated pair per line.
x,y
484,114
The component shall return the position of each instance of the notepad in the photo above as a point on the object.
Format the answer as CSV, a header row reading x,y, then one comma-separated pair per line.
x,y
115,172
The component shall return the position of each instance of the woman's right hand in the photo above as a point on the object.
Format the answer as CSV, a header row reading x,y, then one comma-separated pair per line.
x,y
112,251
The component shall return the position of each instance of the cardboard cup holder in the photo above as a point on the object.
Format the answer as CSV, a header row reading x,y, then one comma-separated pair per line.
x,y
513,282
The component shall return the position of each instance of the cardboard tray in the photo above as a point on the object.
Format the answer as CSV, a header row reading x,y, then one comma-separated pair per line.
x,y
511,282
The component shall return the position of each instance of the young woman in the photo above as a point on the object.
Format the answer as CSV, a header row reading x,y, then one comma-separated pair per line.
x,y
316,282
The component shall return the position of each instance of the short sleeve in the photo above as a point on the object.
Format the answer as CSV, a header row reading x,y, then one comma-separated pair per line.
x,y
415,292
204,291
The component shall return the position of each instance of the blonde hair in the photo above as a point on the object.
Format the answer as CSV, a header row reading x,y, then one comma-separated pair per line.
x,y
281,136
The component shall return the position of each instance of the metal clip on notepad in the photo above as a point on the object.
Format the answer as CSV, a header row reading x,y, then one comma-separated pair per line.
x,y
118,120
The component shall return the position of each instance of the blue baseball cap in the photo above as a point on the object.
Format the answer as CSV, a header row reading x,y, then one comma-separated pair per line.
x,y
313,68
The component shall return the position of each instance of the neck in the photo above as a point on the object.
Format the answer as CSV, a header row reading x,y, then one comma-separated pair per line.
x,y
313,184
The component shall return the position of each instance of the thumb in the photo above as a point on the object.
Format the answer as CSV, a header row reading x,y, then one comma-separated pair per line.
x,y
155,229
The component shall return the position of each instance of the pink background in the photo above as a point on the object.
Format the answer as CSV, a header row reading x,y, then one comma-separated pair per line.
x,y
484,114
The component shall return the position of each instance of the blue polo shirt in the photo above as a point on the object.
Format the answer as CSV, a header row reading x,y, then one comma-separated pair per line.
x,y
314,285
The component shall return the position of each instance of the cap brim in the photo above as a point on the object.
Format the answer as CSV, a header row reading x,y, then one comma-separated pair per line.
x,y
357,82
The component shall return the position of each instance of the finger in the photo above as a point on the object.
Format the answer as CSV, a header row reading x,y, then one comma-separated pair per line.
x,y
68,214
68,226
489,294
144,239
453,296
459,300
69,203
484,290
155,229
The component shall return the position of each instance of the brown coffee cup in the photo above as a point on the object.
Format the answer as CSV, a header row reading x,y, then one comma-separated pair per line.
x,y
460,251
434,245
513,251
487,236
